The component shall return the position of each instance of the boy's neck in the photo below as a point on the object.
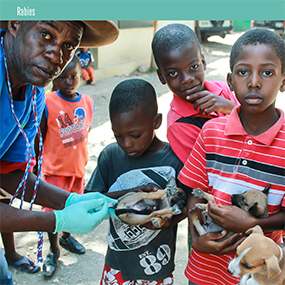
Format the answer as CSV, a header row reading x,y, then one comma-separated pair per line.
x,y
72,97
156,146
256,125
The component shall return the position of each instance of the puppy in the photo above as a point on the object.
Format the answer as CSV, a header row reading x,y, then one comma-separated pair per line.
x,y
260,258
252,201
138,208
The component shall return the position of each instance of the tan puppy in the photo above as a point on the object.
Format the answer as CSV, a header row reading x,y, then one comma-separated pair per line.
x,y
252,201
138,208
260,258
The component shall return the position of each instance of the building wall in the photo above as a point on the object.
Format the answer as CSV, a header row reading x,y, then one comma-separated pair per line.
x,y
131,50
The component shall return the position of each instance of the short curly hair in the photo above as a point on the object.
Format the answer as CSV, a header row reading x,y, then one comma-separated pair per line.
x,y
255,37
133,94
171,37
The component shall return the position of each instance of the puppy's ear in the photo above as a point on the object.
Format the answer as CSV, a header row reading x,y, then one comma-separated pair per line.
x,y
272,267
171,182
266,189
253,210
254,230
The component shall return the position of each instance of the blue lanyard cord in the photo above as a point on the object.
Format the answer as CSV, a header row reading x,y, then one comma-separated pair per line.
x,y
23,182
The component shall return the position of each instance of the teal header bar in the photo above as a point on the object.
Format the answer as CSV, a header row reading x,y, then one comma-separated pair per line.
x,y
142,10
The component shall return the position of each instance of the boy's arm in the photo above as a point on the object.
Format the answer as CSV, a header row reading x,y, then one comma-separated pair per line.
x,y
238,220
209,102
207,243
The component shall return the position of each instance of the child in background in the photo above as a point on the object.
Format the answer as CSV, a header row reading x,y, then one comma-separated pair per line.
x,y
86,57
136,254
181,65
65,125
240,152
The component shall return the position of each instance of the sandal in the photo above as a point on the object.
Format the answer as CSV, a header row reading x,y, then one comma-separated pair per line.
x,y
22,261
50,264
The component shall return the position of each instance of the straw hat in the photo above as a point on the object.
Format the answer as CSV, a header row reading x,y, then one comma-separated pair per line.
x,y
96,33
99,33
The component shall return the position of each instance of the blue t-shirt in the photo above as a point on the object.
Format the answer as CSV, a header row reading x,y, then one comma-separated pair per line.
x,y
85,58
12,143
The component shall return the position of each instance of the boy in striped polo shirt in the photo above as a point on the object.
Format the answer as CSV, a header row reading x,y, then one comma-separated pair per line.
x,y
240,152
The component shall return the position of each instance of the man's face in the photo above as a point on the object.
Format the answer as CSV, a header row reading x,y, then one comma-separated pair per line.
x,y
41,50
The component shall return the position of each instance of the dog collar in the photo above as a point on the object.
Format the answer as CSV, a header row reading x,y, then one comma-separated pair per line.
x,y
281,253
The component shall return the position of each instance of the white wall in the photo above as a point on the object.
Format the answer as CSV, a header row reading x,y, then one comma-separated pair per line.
x,y
131,50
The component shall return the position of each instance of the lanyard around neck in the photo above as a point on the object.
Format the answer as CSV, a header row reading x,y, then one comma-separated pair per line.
x,y
23,182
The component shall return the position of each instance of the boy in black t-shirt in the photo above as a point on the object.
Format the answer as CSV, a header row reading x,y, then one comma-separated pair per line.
x,y
138,158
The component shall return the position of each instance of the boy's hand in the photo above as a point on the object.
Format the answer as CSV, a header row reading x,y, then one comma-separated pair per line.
x,y
231,218
207,243
145,188
209,102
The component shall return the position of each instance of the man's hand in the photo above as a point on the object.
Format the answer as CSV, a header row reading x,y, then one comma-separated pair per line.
x,y
81,217
74,198
209,102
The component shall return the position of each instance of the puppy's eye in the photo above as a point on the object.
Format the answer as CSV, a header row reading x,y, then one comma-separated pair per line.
x,y
246,266
243,201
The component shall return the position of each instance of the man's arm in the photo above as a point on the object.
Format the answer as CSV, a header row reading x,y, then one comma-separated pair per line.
x,y
48,195
16,220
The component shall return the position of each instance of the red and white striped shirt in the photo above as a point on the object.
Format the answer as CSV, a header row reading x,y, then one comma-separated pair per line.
x,y
226,160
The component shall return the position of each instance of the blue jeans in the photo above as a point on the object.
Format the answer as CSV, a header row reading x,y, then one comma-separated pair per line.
x,y
5,275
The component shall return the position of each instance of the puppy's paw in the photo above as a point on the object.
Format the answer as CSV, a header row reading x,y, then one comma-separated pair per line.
x,y
198,193
201,206
176,210
170,191
155,222
193,210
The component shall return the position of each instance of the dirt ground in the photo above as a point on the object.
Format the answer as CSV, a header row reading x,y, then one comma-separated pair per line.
x,y
87,268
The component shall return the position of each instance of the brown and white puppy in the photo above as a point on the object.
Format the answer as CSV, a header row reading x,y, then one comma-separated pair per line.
x,y
252,201
259,260
138,208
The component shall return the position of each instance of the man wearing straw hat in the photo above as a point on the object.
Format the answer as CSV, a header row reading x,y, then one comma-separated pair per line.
x,y
32,54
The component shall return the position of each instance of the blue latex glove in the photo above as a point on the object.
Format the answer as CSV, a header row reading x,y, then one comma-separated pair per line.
x,y
75,198
81,218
